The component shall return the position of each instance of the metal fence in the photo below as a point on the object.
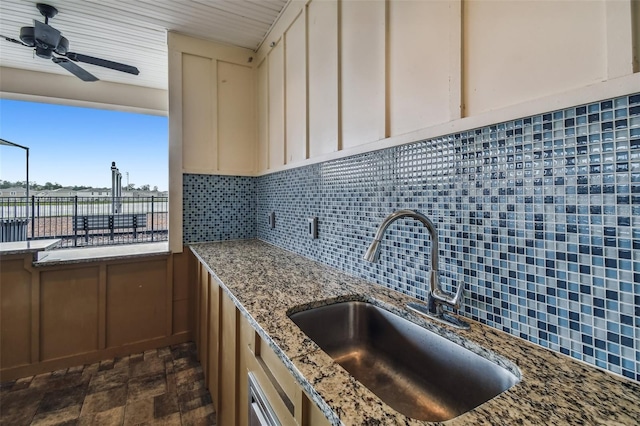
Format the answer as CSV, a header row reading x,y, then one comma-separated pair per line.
x,y
85,221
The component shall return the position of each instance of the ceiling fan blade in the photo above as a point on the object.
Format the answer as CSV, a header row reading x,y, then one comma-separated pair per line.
x,y
13,40
74,69
102,63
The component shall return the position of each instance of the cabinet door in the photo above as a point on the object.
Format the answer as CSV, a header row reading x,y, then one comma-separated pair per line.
x,y
362,72
199,147
213,382
236,119
227,412
196,309
203,347
246,344
323,77
276,106
296,90
418,64
15,314
216,107
263,115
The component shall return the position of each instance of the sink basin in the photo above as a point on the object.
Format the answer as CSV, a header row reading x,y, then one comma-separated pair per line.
x,y
413,370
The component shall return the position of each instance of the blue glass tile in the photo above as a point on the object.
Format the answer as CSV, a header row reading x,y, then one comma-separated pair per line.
x,y
543,236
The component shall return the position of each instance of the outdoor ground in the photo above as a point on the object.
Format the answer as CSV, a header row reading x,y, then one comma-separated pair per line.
x,y
157,387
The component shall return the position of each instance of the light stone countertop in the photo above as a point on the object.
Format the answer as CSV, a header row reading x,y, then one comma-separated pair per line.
x,y
101,253
266,283
22,247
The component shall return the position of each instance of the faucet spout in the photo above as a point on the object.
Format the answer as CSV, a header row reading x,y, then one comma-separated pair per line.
x,y
373,253
437,296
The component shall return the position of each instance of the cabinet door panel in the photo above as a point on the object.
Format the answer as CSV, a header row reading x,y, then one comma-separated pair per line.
x,y
526,67
296,88
246,361
263,115
136,294
362,72
198,142
276,106
203,349
213,383
323,77
418,65
69,312
228,363
15,314
236,119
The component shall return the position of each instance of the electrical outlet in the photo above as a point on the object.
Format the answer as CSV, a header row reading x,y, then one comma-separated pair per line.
x,y
272,220
312,227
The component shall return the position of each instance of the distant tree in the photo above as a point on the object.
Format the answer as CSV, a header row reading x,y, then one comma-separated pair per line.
x,y
155,188
144,188
9,184
50,186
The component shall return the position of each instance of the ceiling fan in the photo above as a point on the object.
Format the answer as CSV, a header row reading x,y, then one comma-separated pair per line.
x,y
48,43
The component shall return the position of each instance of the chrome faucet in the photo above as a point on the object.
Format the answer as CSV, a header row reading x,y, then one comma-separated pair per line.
x,y
437,297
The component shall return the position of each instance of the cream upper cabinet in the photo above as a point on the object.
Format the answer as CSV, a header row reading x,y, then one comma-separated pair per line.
x,y
519,51
362,61
323,77
296,89
212,106
263,115
418,64
276,106
198,138
236,119
342,75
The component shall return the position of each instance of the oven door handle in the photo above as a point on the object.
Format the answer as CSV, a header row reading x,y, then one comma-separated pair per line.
x,y
256,416
260,412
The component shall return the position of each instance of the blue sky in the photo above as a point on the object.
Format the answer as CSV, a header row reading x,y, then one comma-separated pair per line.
x,y
75,146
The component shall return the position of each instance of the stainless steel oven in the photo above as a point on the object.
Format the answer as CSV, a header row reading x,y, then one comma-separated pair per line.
x,y
260,412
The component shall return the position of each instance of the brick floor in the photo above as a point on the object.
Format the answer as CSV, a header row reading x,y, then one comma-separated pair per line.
x,y
157,387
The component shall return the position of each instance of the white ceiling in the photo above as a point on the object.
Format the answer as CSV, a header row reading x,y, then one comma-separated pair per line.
x,y
134,31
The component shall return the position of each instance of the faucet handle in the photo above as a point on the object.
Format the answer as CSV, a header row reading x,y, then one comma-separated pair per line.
x,y
445,297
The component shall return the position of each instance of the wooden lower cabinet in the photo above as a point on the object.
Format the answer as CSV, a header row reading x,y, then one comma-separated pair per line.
x,y
285,396
56,316
234,349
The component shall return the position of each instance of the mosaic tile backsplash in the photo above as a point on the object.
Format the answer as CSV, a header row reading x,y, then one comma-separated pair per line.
x,y
539,219
218,208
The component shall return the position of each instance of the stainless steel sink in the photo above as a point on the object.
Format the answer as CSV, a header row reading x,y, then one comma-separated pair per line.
x,y
413,370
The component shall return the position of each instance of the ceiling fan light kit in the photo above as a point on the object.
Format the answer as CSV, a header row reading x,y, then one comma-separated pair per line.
x,y
48,43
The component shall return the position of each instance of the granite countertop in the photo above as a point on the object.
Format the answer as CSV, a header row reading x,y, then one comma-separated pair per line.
x,y
266,283
22,247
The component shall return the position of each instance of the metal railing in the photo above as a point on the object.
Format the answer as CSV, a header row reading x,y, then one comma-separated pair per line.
x,y
85,221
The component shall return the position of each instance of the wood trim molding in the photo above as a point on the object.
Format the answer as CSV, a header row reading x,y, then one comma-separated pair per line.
x,y
34,86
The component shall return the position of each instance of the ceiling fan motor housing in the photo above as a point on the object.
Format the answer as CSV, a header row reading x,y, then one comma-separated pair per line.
x,y
47,10
63,46
47,40
27,36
